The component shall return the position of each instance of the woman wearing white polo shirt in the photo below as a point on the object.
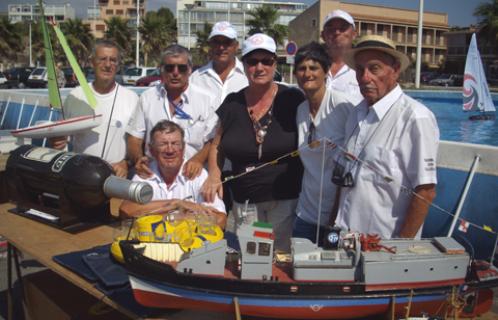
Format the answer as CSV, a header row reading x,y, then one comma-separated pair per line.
x,y
320,121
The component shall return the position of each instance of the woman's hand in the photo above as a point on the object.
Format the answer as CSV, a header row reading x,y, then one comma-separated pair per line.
x,y
142,168
212,187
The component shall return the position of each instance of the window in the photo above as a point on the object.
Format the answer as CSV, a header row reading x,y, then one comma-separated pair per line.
x,y
100,27
116,2
251,247
264,249
119,12
313,23
109,11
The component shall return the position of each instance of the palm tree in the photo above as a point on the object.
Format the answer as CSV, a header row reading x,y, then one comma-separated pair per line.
x,y
118,31
10,39
264,19
487,12
202,45
157,30
79,38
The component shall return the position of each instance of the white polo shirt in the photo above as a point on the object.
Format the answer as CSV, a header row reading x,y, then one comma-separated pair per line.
x,y
153,106
182,188
92,141
207,78
398,138
345,81
329,123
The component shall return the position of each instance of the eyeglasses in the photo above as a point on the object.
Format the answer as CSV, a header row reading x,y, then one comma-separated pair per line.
x,y
343,28
182,68
175,145
221,42
311,132
253,61
112,60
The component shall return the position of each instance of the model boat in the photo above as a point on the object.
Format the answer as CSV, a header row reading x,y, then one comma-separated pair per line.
x,y
353,276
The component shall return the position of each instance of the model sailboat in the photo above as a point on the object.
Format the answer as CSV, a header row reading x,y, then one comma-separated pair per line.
x,y
476,96
67,126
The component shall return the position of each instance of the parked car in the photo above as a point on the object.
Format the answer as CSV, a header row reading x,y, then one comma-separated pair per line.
x,y
3,80
38,78
448,80
131,75
71,80
17,77
149,80
427,76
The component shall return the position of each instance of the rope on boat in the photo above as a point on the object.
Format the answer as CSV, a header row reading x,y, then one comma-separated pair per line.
x,y
330,144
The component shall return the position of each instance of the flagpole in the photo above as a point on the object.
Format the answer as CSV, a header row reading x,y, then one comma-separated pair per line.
x,y
419,43
464,194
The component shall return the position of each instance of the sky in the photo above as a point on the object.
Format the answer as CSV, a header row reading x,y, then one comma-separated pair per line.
x,y
460,12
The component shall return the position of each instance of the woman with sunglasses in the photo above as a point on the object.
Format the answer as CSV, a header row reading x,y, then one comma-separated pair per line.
x,y
257,126
320,120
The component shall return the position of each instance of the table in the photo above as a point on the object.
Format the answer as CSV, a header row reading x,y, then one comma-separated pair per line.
x,y
42,242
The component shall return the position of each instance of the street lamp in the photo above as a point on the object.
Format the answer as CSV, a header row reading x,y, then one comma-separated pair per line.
x,y
189,7
137,55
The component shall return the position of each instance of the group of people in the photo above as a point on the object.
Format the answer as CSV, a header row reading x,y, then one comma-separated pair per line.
x,y
346,148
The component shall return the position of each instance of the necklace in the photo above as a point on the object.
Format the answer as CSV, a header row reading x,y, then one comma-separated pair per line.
x,y
260,127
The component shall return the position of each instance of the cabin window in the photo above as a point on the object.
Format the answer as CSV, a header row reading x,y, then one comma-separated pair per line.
x,y
264,249
251,247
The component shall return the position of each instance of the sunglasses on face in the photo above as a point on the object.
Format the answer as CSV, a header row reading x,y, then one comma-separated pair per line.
x,y
182,68
341,29
219,42
253,61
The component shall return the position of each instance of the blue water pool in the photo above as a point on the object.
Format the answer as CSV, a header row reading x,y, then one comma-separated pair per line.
x,y
454,124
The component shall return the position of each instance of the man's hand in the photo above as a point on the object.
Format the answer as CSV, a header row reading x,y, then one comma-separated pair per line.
x,y
120,168
192,169
211,187
58,143
142,167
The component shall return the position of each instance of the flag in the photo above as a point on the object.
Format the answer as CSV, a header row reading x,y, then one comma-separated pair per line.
x,y
487,228
464,226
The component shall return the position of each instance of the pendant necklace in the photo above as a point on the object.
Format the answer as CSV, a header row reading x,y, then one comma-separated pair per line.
x,y
260,128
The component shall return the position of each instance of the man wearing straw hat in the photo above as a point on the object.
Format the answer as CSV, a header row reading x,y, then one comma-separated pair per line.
x,y
171,189
387,168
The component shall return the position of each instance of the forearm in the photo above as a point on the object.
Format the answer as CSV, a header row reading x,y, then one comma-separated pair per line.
x,y
134,148
203,154
417,210
215,156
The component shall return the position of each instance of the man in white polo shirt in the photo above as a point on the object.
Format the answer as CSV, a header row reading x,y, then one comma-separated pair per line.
x,y
224,74
172,190
177,100
387,173
338,34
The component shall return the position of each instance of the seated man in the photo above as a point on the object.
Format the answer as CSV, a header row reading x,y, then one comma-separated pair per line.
x,y
172,190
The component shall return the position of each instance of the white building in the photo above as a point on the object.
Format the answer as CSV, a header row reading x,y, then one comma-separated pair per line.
x,y
235,11
29,12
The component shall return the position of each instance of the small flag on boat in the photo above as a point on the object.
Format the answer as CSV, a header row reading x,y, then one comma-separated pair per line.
x,y
464,226
487,228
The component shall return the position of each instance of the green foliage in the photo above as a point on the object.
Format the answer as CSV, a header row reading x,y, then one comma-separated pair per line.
x,y
10,39
487,13
157,31
200,54
119,32
79,39
264,19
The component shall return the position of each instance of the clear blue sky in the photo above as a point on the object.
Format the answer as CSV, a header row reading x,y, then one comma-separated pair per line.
x,y
460,12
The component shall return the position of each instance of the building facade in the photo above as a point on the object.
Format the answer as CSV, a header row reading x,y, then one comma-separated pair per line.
x,y
106,9
198,12
400,25
30,12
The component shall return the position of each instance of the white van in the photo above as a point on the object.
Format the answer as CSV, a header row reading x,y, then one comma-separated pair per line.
x,y
131,75
38,78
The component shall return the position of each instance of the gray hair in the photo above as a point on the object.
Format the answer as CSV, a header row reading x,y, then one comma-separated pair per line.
x,y
176,50
106,43
167,127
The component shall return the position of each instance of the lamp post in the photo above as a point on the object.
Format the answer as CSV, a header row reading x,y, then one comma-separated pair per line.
x,y
189,7
419,43
137,54
30,46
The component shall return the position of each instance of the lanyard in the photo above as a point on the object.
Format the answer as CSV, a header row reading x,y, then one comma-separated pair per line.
x,y
178,110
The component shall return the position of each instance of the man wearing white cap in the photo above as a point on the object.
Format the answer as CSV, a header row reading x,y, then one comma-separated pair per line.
x,y
338,33
388,168
224,74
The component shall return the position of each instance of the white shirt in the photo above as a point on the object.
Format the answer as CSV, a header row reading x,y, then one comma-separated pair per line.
x,y
182,188
207,78
329,123
92,141
345,81
398,138
153,106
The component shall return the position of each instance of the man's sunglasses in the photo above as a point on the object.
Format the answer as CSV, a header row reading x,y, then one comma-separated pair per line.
x,y
182,68
253,61
218,42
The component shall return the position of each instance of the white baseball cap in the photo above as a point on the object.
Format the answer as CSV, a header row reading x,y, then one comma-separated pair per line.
x,y
223,28
339,14
258,41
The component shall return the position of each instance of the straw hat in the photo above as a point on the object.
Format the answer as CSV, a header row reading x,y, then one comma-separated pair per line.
x,y
379,43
